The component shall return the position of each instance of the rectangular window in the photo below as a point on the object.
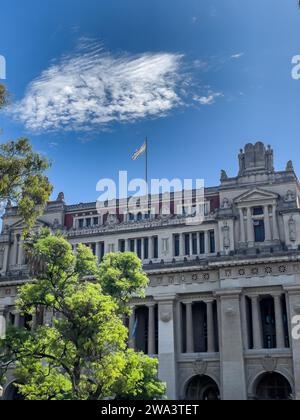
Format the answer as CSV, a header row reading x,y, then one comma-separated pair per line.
x,y
187,244
131,245
202,243
212,242
155,247
80,223
122,245
176,245
257,211
146,248
139,248
259,230
194,242
88,222
96,221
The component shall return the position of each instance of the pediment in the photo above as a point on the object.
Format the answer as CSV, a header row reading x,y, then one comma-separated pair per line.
x,y
19,225
256,194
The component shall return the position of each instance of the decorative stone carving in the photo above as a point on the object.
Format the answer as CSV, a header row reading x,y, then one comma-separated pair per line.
x,y
165,316
289,197
61,197
292,229
226,235
269,364
289,166
224,176
297,308
112,220
226,204
200,367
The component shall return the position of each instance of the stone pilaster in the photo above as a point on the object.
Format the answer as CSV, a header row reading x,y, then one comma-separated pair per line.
x,y
232,358
294,310
167,357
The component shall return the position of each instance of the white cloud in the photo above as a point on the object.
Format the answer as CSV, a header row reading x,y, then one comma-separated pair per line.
x,y
92,88
208,99
237,56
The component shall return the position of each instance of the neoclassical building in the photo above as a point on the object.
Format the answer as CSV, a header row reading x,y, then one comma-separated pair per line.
x,y
218,310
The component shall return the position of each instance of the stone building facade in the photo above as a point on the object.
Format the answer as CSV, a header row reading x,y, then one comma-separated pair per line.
x,y
222,294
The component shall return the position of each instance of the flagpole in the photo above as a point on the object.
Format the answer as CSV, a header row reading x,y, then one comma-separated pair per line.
x,y
146,158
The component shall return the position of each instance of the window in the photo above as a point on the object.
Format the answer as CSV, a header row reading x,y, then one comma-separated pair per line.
x,y
202,243
155,247
176,245
131,217
132,245
139,248
212,241
146,248
88,222
80,223
258,211
194,242
96,221
140,217
187,244
259,230
122,245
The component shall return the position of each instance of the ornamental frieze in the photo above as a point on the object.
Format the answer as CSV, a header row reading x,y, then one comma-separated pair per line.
x,y
186,278
260,270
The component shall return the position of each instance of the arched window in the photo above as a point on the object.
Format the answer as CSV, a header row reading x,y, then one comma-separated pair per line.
x,y
273,386
202,388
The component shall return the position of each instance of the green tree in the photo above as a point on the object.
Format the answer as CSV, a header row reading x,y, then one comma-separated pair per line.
x,y
22,175
83,353
3,96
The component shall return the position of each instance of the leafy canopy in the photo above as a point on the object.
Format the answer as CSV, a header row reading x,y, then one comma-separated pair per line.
x,y
81,353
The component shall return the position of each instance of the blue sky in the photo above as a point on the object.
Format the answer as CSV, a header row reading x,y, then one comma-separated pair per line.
x,y
201,78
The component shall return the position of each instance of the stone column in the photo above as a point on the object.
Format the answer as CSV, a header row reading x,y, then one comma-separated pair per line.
x,y
294,310
280,342
2,323
250,231
206,236
5,259
242,227
182,245
131,332
210,327
189,328
231,347
98,247
151,330
17,320
244,322
191,243
167,371
256,322
34,322
275,224
267,223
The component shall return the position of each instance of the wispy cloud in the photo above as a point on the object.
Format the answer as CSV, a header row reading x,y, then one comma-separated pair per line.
x,y
208,99
92,88
237,56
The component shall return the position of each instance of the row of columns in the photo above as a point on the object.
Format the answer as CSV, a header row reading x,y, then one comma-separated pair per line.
x,y
211,345
182,243
151,245
257,322
267,221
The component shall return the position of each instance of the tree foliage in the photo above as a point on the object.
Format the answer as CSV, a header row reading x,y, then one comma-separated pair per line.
x,y
22,179
82,353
